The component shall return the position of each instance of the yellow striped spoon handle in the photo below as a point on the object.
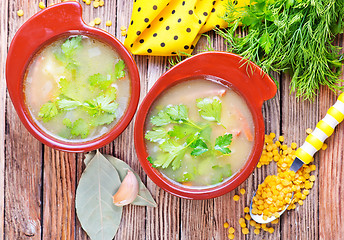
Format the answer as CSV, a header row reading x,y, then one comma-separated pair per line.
x,y
322,131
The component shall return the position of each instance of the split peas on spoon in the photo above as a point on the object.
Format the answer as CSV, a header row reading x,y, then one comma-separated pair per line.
x,y
276,193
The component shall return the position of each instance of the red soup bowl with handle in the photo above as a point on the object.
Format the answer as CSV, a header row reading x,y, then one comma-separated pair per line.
x,y
51,24
228,69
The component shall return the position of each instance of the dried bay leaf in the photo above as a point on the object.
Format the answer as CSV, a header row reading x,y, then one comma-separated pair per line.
x,y
98,216
144,198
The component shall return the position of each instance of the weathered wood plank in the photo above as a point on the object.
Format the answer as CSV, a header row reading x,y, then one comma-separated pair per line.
x,y
123,146
23,171
3,51
163,221
331,174
59,184
331,178
296,117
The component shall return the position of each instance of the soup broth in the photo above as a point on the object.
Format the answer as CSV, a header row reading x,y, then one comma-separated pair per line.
x,y
77,89
199,133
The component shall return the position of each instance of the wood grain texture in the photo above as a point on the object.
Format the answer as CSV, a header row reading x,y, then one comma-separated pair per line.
x,y
297,116
3,53
40,183
331,174
23,158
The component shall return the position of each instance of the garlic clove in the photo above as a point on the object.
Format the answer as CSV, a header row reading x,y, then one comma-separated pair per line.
x,y
128,190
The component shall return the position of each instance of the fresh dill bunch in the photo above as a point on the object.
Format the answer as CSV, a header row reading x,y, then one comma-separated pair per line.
x,y
292,36
174,60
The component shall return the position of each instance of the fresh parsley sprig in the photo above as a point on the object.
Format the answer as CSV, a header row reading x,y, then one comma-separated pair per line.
x,y
102,108
194,137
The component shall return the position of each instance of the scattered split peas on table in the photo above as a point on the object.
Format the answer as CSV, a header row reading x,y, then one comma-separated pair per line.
x,y
92,23
276,191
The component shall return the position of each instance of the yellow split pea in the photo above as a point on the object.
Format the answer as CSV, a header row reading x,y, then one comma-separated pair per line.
x,y
20,12
236,197
41,5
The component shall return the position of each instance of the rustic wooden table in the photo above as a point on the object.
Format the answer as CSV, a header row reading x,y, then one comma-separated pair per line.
x,y
37,183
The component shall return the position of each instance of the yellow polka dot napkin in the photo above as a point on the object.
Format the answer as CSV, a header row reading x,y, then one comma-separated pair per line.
x,y
169,27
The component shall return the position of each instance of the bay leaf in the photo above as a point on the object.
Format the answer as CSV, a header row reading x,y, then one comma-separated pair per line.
x,y
98,216
89,156
144,197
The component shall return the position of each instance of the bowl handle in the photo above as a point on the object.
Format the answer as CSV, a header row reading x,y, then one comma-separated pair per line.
x,y
54,20
248,78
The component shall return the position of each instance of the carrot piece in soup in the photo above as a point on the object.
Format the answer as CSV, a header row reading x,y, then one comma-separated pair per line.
x,y
245,125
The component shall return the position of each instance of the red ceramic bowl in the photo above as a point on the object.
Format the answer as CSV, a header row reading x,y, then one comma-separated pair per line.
x,y
251,83
50,24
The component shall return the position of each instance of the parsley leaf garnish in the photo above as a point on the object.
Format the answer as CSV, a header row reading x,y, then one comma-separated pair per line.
x,y
177,112
176,154
70,46
119,69
176,134
199,147
77,128
210,109
66,104
171,114
222,143
104,103
157,135
102,119
103,82
67,52
182,130
48,111
68,88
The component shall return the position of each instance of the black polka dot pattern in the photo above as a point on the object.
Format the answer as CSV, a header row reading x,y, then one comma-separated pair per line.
x,y
188,23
